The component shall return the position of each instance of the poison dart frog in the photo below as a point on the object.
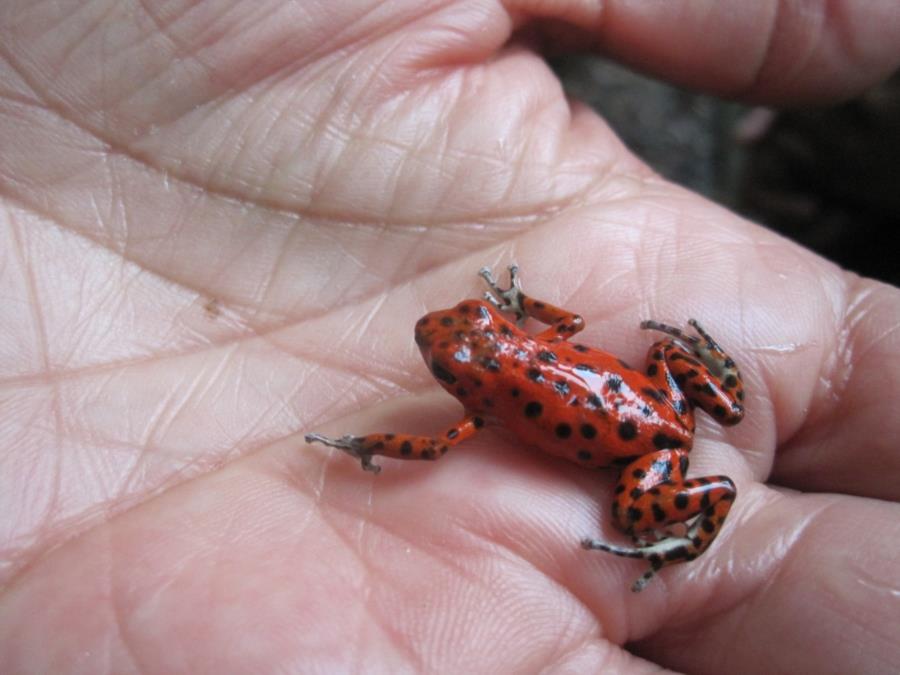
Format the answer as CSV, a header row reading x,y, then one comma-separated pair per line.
x,y
585,405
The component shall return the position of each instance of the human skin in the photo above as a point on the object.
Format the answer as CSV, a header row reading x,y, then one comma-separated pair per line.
x,y
220,222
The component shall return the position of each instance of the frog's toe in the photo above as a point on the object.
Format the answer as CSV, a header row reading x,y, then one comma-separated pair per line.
x,y
659,554
642,581
486,274
352,445
597,545
346,442
369,465
505,299
640,552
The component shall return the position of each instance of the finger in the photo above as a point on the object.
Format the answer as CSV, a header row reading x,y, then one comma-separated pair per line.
x,y
772,51
823,598
848,441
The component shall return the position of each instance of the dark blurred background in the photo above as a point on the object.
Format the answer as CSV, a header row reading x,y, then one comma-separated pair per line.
x,y
827,177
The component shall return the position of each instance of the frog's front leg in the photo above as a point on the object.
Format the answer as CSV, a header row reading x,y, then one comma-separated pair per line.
x,y
652,493
400,446
563,323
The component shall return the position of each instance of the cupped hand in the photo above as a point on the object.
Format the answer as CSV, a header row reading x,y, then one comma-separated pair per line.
x,y
221,221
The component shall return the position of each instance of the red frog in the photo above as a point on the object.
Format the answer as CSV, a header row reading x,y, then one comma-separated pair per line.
x,y
585,405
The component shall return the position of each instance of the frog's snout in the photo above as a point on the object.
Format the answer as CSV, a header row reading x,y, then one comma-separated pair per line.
x,y
452,326
426,327
435,327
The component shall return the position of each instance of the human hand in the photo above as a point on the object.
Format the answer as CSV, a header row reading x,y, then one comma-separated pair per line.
x,y
221,222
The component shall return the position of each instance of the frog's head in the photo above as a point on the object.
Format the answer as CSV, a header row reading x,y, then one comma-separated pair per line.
x,y
459,341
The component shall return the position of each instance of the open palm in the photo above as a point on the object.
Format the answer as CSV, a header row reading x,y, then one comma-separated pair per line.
x,y
221,221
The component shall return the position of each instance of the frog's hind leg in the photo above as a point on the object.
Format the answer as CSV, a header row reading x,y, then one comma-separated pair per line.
x,y
400,446
695,369
652,494
563,323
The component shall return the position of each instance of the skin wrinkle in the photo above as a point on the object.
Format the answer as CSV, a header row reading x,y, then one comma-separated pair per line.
x,y
74,44
736,601
801,62
533,110
132,502
399,534
396,639
313,490
167,410
564,629
798,532
210,189
163,27
49,218
23,546
394,636
826,25
336,218
861,292
286,68
37,322
837,370
373,570
746,610
840,23
130,483
281,117
349,136
774,580
859,355
579,599
424,272
138,500
92,370
769,374
741,602
840,375
518,166
118,612
765,52
37,318
50,375
580,13
561,656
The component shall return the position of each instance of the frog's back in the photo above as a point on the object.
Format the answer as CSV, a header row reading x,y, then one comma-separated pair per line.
x,y
566,399
582,404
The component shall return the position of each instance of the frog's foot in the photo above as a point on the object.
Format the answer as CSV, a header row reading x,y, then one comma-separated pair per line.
x,y
352,445
686,340
664,552
706,376
701,345
506,300
670,518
